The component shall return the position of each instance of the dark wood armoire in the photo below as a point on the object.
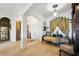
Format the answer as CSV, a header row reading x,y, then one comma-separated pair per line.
x,y
5,29
75,27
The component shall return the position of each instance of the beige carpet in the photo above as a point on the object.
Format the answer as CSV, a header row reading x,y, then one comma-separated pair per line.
x,y
34,49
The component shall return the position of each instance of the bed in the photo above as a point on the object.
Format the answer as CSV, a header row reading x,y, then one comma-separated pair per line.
x,y
52,39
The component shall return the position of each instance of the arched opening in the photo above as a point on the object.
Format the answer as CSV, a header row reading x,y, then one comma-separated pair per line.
x,y
5,27
33,29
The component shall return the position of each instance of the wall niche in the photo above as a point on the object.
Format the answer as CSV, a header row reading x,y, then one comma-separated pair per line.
x,y
4,29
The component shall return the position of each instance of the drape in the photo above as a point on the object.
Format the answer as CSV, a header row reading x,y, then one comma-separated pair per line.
x,y
53,25
64,25
60,22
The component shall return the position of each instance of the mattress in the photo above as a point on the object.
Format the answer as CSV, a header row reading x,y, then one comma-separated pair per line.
x,y
55,39
50,38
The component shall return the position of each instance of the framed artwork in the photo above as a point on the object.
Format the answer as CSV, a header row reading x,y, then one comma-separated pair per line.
x,y
4,33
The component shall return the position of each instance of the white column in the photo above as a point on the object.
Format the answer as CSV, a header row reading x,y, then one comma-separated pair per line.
x,y
70,29
23,33
13,30
21,42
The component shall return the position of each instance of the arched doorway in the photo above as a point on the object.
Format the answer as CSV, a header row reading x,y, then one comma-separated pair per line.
x,y
33,29
5,29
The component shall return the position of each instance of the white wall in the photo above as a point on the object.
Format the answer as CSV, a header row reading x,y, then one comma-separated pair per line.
x,y
36,30
66,13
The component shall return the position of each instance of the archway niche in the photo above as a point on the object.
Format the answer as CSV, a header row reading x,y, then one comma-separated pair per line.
x,y
5,27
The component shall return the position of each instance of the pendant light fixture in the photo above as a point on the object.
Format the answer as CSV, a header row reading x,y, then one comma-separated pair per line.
x,y
55,11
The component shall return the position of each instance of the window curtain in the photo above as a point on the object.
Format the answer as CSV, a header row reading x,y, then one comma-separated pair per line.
x,y
54,23
61,22
64,25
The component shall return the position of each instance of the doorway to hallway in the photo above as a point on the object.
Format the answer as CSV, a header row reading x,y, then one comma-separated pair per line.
x,y
29,39
32,29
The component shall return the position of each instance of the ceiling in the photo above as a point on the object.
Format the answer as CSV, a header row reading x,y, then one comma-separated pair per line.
x,y
10,9
46,8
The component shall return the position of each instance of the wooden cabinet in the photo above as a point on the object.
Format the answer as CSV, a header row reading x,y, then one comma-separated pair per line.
x,y
18,30
75,24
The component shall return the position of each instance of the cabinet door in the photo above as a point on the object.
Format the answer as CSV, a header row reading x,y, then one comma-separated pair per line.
x,y
4,33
